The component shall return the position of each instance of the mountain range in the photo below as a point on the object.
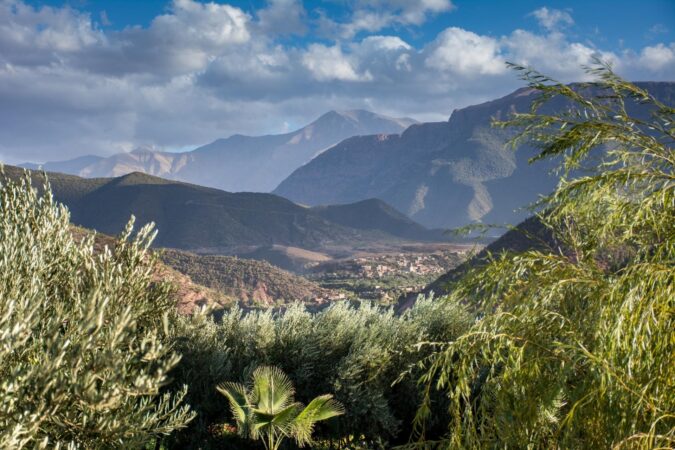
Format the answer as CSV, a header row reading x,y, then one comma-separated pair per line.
x,y
238,163
440,175
444,174
210,220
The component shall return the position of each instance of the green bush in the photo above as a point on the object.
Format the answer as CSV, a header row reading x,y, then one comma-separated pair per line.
x,y
356,353
575,344
83,349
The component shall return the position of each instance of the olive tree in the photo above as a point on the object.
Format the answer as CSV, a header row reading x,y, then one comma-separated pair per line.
x,y
83,348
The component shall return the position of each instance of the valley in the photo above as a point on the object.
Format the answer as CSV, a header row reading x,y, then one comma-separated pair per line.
x,y
260,251
337,225
385,277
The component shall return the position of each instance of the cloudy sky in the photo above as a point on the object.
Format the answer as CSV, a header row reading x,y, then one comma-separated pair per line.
x,y
103,76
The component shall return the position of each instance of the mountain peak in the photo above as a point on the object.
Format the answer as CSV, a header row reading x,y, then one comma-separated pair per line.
x,y
144,150
139,178
363,119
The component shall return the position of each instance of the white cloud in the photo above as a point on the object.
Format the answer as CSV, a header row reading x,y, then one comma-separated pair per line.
x,y
202,71
385,43
553,54
658,57
466,53
38,36
375,15
552,19
329,63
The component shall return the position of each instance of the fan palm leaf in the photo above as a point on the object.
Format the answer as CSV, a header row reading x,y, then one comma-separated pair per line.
x,y
319,409
267,410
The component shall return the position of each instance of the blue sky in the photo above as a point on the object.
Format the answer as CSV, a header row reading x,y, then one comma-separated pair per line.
x,y
95,76
616,23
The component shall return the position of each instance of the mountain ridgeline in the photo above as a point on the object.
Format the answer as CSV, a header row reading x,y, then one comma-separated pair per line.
x,y
238,163
210,220
444,174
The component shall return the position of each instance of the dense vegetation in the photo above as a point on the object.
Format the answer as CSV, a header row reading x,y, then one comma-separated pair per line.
x,y
354,353
574,348
84,348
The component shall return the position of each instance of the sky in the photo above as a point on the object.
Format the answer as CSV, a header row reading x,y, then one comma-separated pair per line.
x,y
105,76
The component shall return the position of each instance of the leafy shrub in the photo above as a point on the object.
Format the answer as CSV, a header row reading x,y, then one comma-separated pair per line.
x,y
575,345
83,350
355,352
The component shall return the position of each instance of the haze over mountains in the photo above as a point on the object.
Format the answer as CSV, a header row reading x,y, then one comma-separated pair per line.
x,y
440,175
238,163
444,174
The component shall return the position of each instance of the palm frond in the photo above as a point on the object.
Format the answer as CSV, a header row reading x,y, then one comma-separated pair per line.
x,y
238,398
272,389
319,409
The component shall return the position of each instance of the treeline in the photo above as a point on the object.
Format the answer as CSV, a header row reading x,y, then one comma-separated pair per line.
x,y
563,346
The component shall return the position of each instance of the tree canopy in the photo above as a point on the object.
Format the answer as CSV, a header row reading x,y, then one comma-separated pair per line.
x,y
574,344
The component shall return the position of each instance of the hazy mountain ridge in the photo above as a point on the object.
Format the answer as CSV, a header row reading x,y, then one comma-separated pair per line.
x,y
205,219
443,174
238,163
374,214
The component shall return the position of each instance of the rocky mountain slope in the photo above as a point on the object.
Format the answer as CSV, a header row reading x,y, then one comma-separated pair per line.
x,y
209,220
221,281
444,174
238,163
252,283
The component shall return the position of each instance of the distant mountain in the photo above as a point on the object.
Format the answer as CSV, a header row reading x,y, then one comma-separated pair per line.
x,y
209,220
374,214
238,163
444,174
72,166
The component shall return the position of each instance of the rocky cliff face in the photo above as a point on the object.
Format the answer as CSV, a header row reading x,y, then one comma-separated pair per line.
x,y
444,174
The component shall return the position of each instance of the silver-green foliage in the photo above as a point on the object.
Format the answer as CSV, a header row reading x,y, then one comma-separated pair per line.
x,y
355,352
575,346
83,349
266,410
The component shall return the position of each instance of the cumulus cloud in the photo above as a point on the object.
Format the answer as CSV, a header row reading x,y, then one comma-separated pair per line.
x,y
204,70
463,52
31,36
658,57
329,63
375,15
553,53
